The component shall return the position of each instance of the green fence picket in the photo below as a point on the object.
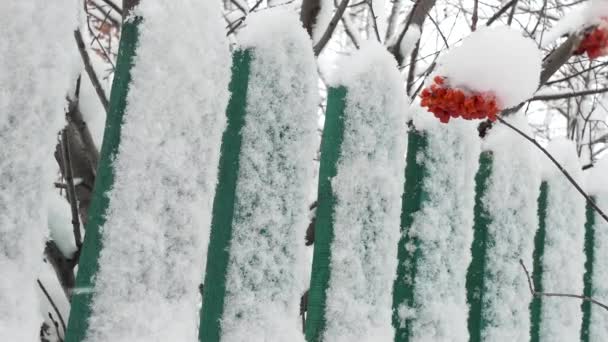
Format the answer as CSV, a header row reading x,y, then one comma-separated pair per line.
x,y
588,277
88,262
214,288
475,272
537,267
333,133
403,287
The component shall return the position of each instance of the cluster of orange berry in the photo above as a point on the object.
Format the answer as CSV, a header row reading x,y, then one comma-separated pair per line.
x,y
446,102
595,43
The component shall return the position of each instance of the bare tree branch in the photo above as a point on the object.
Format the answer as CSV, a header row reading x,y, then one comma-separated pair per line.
x,y
551,294
48,297
331,27
308,14
559,166
416,16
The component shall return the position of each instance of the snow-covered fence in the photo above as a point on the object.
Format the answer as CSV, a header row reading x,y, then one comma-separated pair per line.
x,y
429,297
360,187
507,186
145,241
595,318
256,266
36,62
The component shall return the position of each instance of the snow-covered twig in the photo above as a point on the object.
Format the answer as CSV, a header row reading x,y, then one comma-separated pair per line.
x,y
48,297
559,166
551,294
568,95
71,192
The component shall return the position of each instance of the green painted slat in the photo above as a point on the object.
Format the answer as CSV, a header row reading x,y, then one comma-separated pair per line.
x,y
214,289
588,277
331,143
475,273
537,265
412,198
88,263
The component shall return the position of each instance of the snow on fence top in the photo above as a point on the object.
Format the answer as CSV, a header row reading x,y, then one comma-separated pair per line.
x,y
367,190
267,263
564,258
496,60
156,230
35,64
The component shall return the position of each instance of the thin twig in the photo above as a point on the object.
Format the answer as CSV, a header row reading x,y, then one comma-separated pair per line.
x,y
500,12
559,166
551,294
569,95
374,21
88,67
48,297
330,28
445,40
512,14
475,17
114,6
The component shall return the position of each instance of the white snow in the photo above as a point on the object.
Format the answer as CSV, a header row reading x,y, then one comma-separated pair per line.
x,y
498,60
511,200
60,224
268,263
598,187
587,14
157,224
443,228
36,53
367,189
564,258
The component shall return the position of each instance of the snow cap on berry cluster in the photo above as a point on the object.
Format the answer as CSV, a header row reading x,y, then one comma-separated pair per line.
x,y
496,60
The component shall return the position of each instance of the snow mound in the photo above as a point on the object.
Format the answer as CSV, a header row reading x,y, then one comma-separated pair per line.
x,y
498,60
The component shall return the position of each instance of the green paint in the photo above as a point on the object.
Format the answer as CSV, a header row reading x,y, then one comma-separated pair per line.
x,y
412,198
88,263
331,143
588,277
475,274
537,264
214,290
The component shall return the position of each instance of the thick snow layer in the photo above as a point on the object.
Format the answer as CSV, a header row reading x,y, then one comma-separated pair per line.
x,y
157,224
564,258
268,260
367,189
36,50
511,200
587,14
596,178
443,229
498,60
